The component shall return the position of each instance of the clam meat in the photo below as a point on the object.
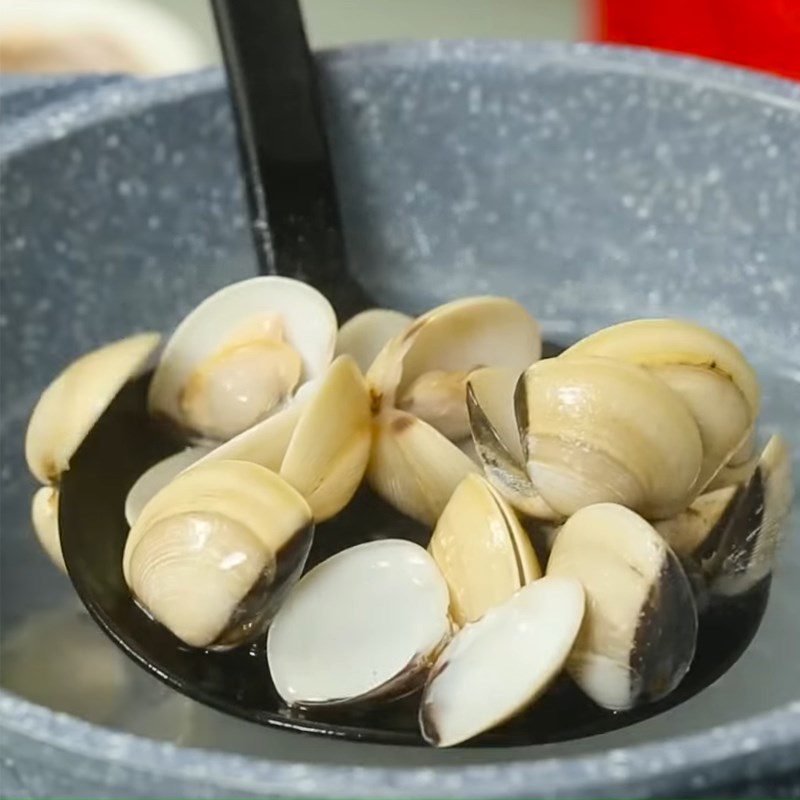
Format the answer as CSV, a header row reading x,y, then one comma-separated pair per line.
x,y
421,374
320,444
240,356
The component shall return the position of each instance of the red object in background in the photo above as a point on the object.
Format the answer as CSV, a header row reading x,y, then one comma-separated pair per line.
x,y
762,34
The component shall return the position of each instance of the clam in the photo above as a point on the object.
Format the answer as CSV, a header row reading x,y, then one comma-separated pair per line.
x,y
490,403
481,549
363,625
589,436
157,477
413,467
739,469
69,407
421,374
451,340
364,335
213,553
638,636
694,534
320,444
733,476
495,667
44,516
746,451
728,537
240,356
711,375
747,549
66,412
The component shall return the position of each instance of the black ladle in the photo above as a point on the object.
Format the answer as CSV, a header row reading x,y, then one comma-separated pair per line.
x,y
298,232
285,155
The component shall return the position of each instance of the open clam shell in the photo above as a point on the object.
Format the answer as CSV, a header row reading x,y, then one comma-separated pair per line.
x,y
363,625
728,537
481,549
414,467
588,436
212,554
418,388
157,477
694,533
746,451
455,338
747,550
66,412
320,444
495,667
240,355
267,441
638,636
490,405
364,335
69,407
708,371
44,516
329,449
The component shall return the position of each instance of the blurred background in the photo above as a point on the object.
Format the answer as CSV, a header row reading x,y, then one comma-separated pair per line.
x,y
150,37
156,36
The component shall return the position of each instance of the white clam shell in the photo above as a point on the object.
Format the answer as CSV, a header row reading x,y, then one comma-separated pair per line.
x,y
457,337
689,532
320,443
495,667
589,437
496,437
212,553
709,372
481,549
364,335
44,516
364,624
638,638
749,545
307,318
157,477
413,467
69,407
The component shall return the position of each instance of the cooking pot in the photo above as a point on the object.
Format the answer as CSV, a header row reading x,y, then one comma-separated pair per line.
x,y
594,184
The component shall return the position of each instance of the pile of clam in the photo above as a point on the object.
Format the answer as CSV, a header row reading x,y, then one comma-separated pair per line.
x,y
583,508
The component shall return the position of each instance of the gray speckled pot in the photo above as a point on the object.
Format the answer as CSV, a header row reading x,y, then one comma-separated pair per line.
x,y
593,184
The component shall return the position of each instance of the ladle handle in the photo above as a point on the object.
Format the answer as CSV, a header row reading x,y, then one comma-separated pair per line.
x,y
293,202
